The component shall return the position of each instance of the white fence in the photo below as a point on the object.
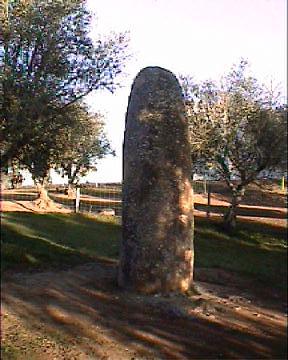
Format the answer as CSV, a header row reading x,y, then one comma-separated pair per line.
x,y
93,198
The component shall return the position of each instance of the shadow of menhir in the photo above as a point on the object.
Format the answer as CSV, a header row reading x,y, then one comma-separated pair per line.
x,y
157,247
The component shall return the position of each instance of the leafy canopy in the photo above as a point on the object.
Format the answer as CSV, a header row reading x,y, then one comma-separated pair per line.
x,y
48,62
238,128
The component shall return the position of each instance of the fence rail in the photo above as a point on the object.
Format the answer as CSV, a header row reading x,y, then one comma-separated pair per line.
x,y
100,202
105,198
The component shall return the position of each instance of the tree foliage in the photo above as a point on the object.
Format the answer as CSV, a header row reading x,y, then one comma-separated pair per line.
x,y
48,63
204,110
72,150
238,128
82,146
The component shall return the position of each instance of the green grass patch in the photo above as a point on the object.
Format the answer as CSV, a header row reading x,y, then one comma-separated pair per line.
x,y
49,240
253,249
58,240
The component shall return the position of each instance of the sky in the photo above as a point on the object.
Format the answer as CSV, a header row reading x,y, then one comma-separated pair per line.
x,y
202,38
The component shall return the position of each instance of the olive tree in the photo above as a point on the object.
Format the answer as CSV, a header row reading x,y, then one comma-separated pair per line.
x,y
241,130
81,147
48,64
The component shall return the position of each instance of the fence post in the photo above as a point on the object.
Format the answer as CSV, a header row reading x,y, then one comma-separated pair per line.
x,y
208,201
205,186
283,183
77,200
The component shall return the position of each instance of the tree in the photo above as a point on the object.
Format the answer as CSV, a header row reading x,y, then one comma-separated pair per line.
x,y
72,150
49,62
204,109
44,152
82,146
246,131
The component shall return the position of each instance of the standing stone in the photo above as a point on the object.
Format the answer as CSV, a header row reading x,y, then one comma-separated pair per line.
x,y
157,246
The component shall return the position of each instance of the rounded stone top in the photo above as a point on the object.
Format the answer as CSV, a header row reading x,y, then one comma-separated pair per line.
x,y
156,87
155,72
154,69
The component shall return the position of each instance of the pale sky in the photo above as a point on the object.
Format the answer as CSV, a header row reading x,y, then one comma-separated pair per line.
x,y
203,38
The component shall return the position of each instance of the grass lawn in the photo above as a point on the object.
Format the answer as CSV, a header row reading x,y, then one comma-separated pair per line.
x,y
40,241
56,240
254,249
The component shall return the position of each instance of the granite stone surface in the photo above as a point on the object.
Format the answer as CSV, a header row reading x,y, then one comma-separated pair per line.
x,y
157,246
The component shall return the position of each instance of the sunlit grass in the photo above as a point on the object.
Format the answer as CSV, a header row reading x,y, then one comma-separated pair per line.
x,y
38,240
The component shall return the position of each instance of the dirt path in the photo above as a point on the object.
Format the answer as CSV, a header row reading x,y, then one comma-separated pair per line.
x,y
30,206
82,314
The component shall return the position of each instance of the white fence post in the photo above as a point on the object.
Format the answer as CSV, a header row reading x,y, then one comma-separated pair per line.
x,y
77,200
205,186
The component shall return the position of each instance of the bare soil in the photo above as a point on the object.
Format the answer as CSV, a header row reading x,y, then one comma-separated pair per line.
x,y
82,314
31,206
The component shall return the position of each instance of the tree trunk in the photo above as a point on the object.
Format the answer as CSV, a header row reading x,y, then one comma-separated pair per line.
x,y
231,215
72,181
71,192
43,201
15,174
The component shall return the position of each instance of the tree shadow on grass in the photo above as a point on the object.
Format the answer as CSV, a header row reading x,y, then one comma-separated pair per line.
x,y
59,241
253,249
84,306
36,253
55,240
